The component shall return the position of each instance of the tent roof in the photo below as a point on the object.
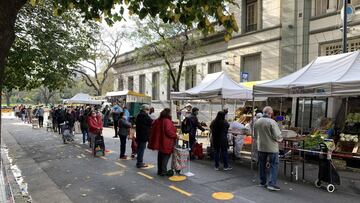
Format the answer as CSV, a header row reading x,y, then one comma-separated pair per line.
x,y
336,75
82,98
215,85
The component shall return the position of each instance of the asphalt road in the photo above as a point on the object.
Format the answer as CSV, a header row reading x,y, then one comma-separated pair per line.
x,y
56,172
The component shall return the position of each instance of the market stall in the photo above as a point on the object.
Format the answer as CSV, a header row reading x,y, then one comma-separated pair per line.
x,y
82,98
336,76
131,99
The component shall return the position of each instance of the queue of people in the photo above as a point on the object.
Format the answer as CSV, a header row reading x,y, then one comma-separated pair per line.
x,y
161,134
27,114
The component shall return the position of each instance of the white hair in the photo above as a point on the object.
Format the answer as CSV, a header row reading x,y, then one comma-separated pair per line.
x,y
267,110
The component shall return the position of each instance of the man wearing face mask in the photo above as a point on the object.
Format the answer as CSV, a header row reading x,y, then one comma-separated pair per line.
x,y
143,126
268,135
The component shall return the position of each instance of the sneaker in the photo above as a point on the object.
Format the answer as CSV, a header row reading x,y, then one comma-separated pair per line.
x,y
133,156
115,136
228,169
217,169
263,185
123,157
273,187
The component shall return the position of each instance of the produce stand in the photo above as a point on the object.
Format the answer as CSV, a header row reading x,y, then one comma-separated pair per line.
x,y
336,76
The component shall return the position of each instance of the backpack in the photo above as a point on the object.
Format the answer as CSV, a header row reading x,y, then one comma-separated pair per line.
x,y
186,125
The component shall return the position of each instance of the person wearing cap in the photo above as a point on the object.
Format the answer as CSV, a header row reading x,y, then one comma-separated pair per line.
x,y
143,127
194,125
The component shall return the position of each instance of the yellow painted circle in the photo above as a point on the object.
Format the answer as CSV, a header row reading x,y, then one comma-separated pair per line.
x,y
222,195
177,178
149,166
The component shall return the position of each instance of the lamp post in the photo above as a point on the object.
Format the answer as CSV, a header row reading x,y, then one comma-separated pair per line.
x,y
345,26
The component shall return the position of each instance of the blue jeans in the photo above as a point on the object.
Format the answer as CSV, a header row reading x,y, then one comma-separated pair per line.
x,y
140,153
224,153
274,166
85,133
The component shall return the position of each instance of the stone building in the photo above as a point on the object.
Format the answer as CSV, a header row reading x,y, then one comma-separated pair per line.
x,y
276,37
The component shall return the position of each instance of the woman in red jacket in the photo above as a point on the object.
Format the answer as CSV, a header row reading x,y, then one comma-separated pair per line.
x,y
95,126
163,137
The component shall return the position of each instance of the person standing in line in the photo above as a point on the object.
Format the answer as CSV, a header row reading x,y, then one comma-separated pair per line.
x,y
115,112
70,118
95,127
106,115
194,125
40,113
152,113
29,114
268,136
124,127
84,125
143,126
219,129
126,113
163,137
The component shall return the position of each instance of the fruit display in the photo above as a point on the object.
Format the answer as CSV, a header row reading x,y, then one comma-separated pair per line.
x,y
349,138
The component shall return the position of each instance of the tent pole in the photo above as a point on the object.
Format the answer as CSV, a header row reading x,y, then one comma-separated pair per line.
x,y
281,103
252,131
346,106
302,116
211,111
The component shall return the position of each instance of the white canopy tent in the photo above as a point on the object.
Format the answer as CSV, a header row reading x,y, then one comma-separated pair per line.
x,y
82,98
336,75
215,86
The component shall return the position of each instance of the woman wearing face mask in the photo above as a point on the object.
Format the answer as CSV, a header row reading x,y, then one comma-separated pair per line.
x,y
124,127
95,126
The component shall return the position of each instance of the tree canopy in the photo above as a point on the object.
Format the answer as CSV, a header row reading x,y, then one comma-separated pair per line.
x,y
46,46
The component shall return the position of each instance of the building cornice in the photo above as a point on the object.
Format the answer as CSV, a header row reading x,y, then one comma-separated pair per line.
x,y
330,28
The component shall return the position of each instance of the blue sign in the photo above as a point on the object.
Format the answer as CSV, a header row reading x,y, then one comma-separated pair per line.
x,y
244,77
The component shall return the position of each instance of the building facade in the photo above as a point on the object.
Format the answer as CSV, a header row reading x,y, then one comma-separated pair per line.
x,y
276,37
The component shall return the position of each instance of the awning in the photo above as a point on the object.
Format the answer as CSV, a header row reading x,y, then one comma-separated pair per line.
x,y
336,75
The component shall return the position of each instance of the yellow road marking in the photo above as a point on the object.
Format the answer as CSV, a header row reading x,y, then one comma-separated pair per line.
x,y
177,178
145,175
83,155
77,146
88,150
102,157
113,173
119,164
180,190
79,157
222,195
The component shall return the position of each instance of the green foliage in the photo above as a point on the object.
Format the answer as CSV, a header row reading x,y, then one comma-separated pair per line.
x,y
166,43
190,13
46,46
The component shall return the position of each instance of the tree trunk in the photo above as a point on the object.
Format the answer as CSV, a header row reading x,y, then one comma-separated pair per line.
x,y
8,14
8,96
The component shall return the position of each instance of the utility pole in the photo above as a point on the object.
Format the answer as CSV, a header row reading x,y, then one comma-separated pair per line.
x,y
345,26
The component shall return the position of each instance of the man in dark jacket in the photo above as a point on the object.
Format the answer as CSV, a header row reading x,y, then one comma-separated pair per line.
x,y
60,116
83,124
194,125
143,127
